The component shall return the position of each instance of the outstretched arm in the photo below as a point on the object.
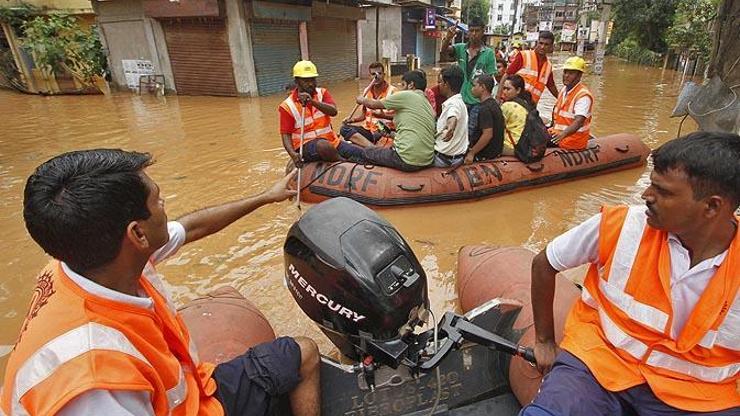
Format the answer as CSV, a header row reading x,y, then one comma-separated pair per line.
x,y
207,221
370,103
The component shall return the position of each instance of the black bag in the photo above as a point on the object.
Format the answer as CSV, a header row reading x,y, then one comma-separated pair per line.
x,y
532,144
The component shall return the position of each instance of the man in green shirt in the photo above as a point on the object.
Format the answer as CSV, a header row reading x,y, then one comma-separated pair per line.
x,y
474,58
413,145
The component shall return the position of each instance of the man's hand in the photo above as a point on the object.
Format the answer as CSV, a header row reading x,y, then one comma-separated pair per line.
x,y
347,120
452,31
304,98
558,138
296,159
469,158
279,191
545,353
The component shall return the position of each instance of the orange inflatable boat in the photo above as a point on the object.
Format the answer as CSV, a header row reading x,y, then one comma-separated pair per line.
x,y
486,272
381,186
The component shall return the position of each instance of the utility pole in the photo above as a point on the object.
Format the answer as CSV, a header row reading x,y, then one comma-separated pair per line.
x,y
606,8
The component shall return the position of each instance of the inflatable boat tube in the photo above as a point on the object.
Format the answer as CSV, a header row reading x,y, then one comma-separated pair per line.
x,y
486,272
382,186
224,325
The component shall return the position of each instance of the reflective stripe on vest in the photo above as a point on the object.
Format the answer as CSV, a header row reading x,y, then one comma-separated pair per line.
x,y
315,125
563,113
728,333
72,344
535,80
623,260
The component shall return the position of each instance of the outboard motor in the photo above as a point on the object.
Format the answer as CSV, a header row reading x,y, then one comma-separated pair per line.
x,y
354,275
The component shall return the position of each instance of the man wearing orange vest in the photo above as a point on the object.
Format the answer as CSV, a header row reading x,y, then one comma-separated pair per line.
x,y
657,327
305,120
534,67
102,336
571,116
369,132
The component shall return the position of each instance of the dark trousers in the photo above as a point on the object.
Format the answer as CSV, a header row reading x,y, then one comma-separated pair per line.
x,y
257,382
387,156
571,390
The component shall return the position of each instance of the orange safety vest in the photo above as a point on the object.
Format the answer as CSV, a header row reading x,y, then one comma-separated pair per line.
x,y
534,81
317,125
371,122
563,115
621,326
73,341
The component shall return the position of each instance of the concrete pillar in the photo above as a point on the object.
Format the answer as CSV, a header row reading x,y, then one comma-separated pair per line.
x,y
303,40
159,53
240,44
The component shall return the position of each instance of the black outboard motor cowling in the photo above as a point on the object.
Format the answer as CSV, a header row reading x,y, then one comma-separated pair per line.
x,y
355,276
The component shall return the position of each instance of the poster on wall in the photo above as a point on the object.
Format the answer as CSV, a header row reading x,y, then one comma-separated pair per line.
x,y
135,68
568,34
429,20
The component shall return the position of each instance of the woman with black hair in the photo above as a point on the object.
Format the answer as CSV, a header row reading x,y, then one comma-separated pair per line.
x,y
517,103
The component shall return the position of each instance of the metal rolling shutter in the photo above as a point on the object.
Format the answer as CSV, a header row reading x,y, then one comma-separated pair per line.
x,y
276,48
200,56
429,50
408,39
332,45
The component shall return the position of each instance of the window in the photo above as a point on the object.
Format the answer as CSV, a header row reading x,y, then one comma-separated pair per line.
x,y
500,7
500,18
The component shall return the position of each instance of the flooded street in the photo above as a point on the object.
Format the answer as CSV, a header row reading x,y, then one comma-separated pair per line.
x,y
210,150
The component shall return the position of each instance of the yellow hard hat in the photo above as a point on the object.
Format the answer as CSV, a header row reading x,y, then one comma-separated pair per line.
x,y
575,63
305,69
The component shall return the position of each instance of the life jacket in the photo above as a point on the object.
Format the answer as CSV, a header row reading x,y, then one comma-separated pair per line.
x,y
371,122
534,81
73,341
621,326
317,125
563,115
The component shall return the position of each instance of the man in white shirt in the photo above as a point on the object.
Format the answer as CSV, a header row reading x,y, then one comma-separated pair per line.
x,y
452,125
102,336
656,328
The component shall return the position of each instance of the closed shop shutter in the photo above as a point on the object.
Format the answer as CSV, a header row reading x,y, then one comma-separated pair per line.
x,y
332,46
276,48
429,50
408,39
200,56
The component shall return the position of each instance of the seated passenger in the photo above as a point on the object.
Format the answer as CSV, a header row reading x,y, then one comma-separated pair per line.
x,y
451,142
571,116
517,102
369,132
487,138
413,145
309,109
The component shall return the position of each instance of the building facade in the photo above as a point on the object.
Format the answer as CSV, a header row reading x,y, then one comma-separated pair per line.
x,y
228,47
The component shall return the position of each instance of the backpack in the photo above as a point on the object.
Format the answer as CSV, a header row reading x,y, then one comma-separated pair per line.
x,y
532,144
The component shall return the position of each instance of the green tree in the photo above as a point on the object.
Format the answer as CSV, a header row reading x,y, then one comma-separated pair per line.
x,y
472,9
504,29
646,21
58,43
690,31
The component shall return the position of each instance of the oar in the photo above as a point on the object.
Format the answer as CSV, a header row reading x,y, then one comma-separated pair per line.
x,y
300,152
364,93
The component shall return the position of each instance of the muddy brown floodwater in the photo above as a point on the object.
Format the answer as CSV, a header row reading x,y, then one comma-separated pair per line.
x,y
211,150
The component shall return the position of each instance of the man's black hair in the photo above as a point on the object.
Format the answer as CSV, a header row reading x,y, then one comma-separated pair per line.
x,y
711,160
420,82
376,65
546,34
476,21
486,81
454,77
78,205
